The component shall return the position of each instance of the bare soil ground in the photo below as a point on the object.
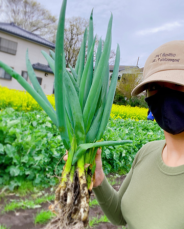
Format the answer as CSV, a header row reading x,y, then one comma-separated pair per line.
x,y
24,219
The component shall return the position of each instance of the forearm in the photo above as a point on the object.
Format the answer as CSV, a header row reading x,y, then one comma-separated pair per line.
x,y
110,200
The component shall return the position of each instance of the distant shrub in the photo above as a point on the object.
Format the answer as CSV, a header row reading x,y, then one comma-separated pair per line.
x,y
135,101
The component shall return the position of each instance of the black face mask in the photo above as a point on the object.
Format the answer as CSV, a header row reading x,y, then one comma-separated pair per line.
x,y
167,107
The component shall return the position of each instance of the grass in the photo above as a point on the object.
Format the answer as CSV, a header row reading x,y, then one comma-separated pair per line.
x,y
93,203
2,195
24,204
44,199
43,217
96,220
3,227
113,179
103,219
25,188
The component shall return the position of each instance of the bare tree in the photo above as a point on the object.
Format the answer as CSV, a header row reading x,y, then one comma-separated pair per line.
x,y
112,57
1,4
74,30
30,15
1,9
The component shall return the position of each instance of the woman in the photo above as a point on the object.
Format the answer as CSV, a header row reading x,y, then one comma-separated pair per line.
x,y
152,195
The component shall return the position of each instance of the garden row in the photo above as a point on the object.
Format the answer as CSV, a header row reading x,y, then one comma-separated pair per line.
x,y
22,101
31,148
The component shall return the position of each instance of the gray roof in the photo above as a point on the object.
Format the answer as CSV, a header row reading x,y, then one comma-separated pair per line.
x,y
11,28
122,67
42,67
46,68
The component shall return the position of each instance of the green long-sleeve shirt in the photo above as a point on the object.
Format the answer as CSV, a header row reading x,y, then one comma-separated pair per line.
x,y
151,196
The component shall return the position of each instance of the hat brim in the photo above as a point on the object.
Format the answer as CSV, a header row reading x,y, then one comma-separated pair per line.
x,y
170,76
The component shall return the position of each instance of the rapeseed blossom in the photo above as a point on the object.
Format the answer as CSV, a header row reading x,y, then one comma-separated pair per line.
x,y
20,100
128,112
23,101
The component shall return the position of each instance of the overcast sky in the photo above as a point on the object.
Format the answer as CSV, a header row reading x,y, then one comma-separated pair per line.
x,y
139,26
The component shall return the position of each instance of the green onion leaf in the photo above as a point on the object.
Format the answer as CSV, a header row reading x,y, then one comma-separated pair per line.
x,y
52,54
84,83
74,104
34,81
81,149
82,58
50,61
91,103
110,96
59,78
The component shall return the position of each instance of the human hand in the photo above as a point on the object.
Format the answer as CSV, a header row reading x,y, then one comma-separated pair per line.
x,y
99,174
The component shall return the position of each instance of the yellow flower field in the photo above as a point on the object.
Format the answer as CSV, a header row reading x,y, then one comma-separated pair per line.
x,y
128,112
22,101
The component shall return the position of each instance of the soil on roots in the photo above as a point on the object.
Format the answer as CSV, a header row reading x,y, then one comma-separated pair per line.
x,y
72,202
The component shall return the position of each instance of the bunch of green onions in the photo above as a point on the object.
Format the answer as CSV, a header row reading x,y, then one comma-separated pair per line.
x,y
83,100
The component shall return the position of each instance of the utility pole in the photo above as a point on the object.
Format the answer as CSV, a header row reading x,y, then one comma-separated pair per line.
x,y
137,61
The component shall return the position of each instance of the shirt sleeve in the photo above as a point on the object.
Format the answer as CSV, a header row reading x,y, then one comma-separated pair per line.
x,y
110,200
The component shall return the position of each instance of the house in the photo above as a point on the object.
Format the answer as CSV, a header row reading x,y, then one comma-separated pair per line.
x,y
14,41
125,70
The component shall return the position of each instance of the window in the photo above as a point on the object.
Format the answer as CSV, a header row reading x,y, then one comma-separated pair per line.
x,y
24,75
39,80
8,46
4,75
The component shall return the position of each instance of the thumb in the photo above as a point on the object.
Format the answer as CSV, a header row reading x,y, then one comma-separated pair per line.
x,y
98,155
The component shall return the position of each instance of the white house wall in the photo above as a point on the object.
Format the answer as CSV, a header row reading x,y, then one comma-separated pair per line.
x,y
47,82
18,62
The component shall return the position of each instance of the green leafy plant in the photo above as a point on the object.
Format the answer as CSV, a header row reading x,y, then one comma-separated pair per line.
x,y
43,217
35,139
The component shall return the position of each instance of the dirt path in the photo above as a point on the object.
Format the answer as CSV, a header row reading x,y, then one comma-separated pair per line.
x,y
24,219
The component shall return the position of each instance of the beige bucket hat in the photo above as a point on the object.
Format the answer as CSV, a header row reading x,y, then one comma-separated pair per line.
x,y
165,64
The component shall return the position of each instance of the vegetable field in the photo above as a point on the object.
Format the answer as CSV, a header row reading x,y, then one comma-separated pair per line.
x,y
31,148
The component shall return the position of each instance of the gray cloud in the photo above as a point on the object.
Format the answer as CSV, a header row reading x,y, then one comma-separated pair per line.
x,y
138,26
165,27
